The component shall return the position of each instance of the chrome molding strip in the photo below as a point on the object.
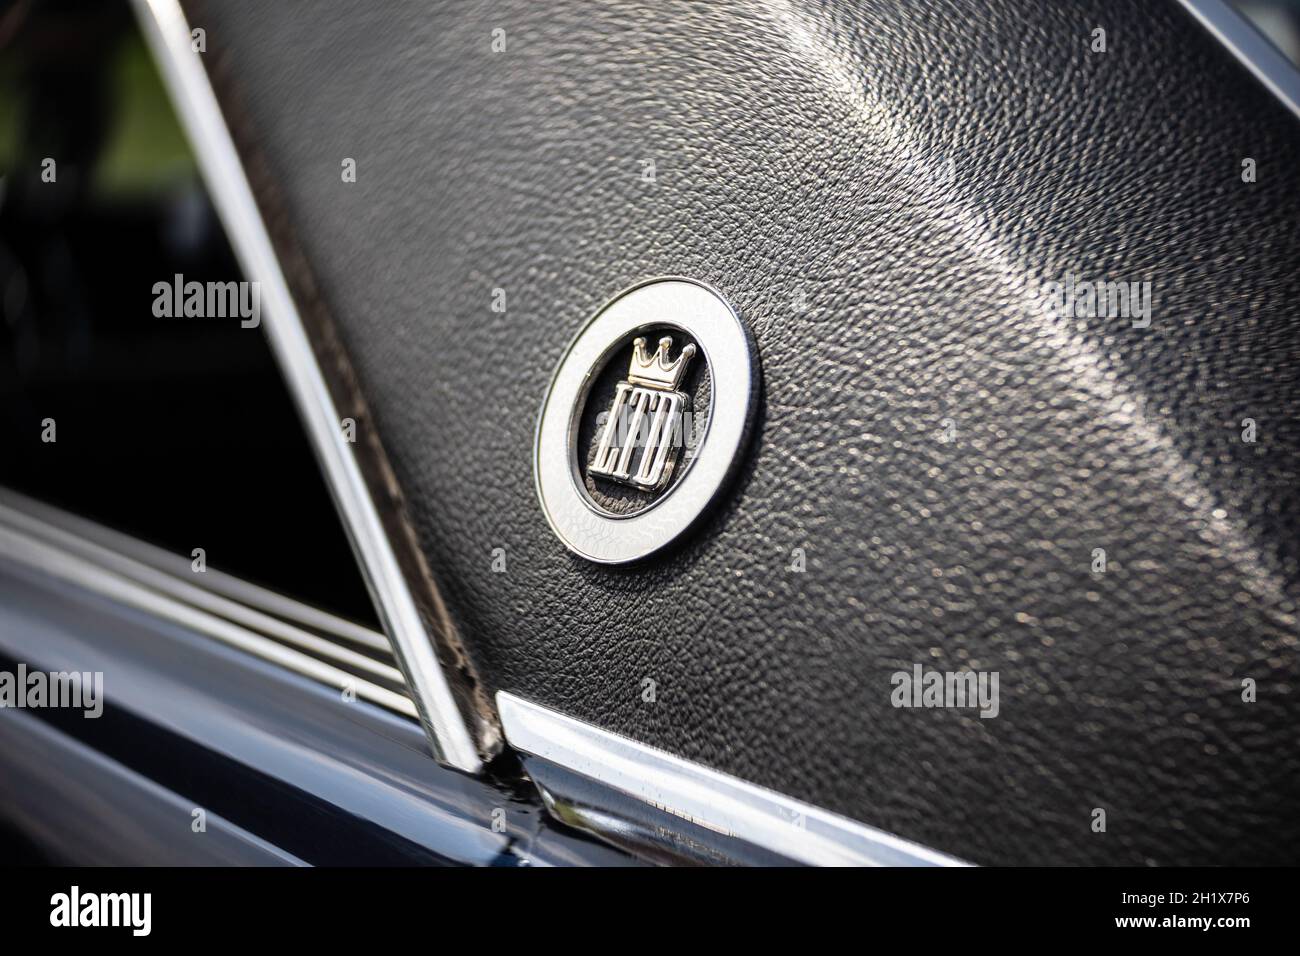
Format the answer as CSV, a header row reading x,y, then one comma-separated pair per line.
x,y
222,594
50,559
703,796
1262,58
165,28
251,595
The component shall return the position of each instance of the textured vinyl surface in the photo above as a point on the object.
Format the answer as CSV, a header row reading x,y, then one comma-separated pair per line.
x,y
917,171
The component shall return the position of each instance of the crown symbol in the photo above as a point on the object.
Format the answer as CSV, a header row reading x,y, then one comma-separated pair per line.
x,y
656,371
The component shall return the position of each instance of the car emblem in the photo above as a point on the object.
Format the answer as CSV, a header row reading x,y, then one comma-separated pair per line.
x,y
632,446
650,395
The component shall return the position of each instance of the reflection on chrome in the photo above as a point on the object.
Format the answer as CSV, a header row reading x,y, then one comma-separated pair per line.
x,y
307,641
713,803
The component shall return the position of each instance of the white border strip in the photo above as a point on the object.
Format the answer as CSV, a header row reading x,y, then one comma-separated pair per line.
x,y
1248,45
706,797
168,34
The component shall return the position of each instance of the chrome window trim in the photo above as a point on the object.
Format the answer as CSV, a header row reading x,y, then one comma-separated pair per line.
x,y
113,552
26,546
168,35
1269,65
706,797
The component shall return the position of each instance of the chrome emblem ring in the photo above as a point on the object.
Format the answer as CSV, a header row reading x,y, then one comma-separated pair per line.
x,y
621,477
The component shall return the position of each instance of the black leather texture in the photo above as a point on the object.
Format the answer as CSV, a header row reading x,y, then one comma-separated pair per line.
x,y
882,191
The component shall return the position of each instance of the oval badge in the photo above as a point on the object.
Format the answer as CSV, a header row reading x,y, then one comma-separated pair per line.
x,y
645,420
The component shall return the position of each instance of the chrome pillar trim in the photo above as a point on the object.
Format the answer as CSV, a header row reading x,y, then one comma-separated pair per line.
x,y
168,34
706,797
25,549
1257,54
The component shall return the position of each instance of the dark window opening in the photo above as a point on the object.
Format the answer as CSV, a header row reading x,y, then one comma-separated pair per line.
x,y
179,431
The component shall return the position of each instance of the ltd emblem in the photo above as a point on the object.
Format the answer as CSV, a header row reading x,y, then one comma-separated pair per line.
x,y
649,396
629,454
